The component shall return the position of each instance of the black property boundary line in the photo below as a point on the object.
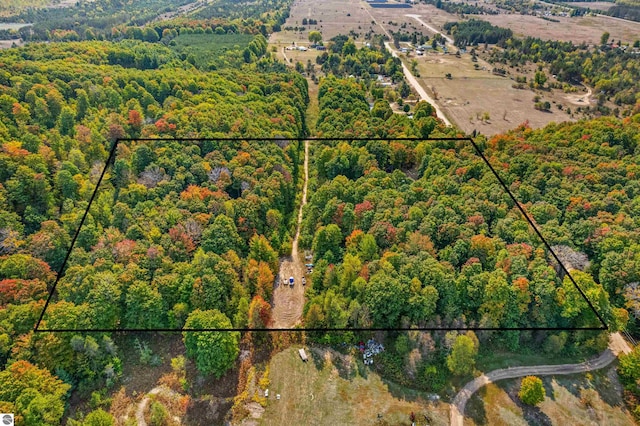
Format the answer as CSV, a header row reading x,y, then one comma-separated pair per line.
x,y
110,160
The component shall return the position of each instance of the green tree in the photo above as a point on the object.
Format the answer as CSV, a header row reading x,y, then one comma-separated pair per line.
x,y
381,109
222,236
67,121
144,308
99,417
540,78
604,38
368,248
629,370
150,35
531,390
327,240
66,185
36,395
315,37
82,105
214,352
461,361
387,298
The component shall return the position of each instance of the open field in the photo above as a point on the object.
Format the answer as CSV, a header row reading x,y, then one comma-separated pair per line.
x,y
585,399
586,29
206,48
334,389
471,93
576,29
594,5
12,26
334,17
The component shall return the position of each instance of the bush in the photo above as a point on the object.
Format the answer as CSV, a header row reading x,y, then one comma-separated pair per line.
x,y
158,414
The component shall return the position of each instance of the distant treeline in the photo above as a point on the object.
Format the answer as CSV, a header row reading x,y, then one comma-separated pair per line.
x,y
474,31
462,8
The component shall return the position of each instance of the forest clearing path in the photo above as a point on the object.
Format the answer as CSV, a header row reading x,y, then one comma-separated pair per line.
x,y
288,302
616,345
142,405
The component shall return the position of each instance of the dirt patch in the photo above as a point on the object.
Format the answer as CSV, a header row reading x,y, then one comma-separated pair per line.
x,y
139,378
210,411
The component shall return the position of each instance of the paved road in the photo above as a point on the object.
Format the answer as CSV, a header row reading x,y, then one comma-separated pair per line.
x,y
616,345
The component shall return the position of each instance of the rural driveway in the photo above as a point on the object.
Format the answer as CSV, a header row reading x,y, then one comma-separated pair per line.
x,y
289,302
435,30
616,345
418,88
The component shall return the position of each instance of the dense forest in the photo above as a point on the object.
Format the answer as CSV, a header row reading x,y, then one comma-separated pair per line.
x,y
187,233
175,229
473,32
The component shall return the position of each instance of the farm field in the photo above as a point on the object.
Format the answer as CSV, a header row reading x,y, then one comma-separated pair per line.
x,y
334,17
577,29
335,389
589,399
471,93
586,29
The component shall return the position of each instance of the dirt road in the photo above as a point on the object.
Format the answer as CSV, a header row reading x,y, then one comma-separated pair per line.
x,y
435,30
418,88
616,345
289,301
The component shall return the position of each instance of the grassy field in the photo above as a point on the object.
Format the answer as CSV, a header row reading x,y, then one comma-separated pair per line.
x,y
593,5
332,389
206,48
585,399
472,93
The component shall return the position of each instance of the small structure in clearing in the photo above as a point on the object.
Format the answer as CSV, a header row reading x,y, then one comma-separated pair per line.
x,y
303,355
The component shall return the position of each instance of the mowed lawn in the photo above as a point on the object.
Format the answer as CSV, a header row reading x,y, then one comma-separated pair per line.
x,y
332,389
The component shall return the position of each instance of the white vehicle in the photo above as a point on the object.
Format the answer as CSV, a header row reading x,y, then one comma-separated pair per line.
x,y
291,281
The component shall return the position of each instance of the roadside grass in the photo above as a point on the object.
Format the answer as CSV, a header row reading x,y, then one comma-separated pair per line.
x,y
495,360
580,399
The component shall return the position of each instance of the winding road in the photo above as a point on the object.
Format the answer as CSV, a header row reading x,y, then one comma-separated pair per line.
x,y
616,345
